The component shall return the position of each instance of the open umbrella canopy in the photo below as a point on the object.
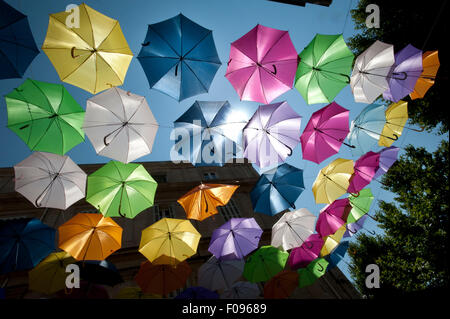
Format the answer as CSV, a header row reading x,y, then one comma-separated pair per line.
x,y
120,125
330,242
118,189
396,118
201,202
87,290
50,180
316,269
262,64
93,56
338,254
89,236
277,189
264,263
430,65
388,156
307,252
218,274
332,217
197,293
174,238
364,170
135,293
353,228
271,134
324,68
235,239
179,57
99,272
45,116
17,46
282,285
360,205
242,290
325,133
24,243
292,229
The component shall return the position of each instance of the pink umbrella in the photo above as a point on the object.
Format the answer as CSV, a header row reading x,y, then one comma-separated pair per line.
x,y
301,256
325,133
262,64
364,170
332,217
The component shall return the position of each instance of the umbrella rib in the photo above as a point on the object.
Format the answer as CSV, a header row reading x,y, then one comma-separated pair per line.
x,y
196,77
106,37
164,39
200,41
65,27
274,44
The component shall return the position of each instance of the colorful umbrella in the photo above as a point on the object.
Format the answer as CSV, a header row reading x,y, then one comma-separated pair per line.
x,y
235,239
282,285
396,118
332,181
24,243
93,55
264,263
325,133
202,201
330,242
364,170
50,180
307,252
242,290
337,255
324,68
135,293
197,293
262,64
218,274
99,272
45,116
430,64
316,269
277,189
371,71
292,229
174,238
17,46
90,236
360,205
352,228
404,73
120,125
388,156
271,134
118,189
179,57
332,217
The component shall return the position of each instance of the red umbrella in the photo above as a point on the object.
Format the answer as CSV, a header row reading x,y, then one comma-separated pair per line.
x,y
282,285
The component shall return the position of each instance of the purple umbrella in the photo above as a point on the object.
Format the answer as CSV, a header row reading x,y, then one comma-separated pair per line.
x,y
235,239
332,217
364,170
404,73
301,256
388,156
352,228
197,293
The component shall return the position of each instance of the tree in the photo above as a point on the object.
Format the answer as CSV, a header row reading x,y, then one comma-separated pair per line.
x,y
412,254
422,24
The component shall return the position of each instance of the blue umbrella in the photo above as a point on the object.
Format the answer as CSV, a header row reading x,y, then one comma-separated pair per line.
x,y
277,189
179,57
197,293
337,255
99,272
210,125
17,45
24,243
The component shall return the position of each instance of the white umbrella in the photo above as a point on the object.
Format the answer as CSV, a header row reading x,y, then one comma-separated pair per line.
x,y
242,290
293,228
120,125
218,274
50,180
371,72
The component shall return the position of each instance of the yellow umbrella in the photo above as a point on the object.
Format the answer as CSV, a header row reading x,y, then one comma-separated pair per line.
x,y
93,55
49,276
430,65
396,118
332,241
169,237
332,181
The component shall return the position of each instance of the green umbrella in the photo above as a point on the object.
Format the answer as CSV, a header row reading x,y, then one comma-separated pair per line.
x,y
323,69
119,189
315,269
45,116
265,263
360,205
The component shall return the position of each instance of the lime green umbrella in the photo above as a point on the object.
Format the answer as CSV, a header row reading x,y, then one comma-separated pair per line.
x,y
324,68
265,263
315,269
45,116
119,189
360,205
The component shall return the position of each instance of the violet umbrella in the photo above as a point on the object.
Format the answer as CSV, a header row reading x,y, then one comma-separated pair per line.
x,y
332,217
325,133
301,256
271,134
262,64
388,156
364,170
235,239
404,73
352,228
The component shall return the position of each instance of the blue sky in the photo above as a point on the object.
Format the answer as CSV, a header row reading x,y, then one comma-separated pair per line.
x,y
229,20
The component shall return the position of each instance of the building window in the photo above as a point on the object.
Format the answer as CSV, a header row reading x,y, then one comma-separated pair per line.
x,y
209,176
160,178
229,211
162,212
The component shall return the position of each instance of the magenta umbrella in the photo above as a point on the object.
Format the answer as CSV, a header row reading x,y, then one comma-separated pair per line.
x,y
364,170
301,256
332,217
262,64
325,133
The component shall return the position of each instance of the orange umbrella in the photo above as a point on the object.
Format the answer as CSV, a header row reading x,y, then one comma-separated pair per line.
x,y
162,279
202,201
90,236
430,65
282,285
